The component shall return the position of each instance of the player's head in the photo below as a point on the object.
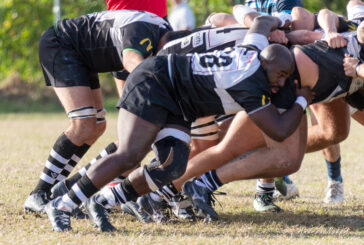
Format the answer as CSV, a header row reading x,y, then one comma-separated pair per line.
x,y
278,63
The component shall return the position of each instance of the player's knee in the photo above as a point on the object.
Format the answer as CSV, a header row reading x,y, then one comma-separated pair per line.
x,y
336,135
100,128
170,164
84,129
288,162
87,122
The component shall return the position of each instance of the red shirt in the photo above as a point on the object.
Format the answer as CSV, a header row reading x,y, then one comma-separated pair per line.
x,y
158,7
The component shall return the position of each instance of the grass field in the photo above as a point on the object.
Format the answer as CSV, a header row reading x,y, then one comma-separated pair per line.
x,y
25,141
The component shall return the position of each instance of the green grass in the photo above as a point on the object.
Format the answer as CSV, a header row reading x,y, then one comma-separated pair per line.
x,y
25,143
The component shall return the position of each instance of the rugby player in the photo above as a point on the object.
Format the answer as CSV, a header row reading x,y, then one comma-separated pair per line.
x,y
169,93
321,69
72,53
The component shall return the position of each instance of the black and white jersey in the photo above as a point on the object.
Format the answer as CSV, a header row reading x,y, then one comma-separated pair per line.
x,y
355,49
100,37
206,40
221,82
332,82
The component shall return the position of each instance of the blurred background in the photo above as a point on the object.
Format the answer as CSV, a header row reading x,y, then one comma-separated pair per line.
x,y
22,23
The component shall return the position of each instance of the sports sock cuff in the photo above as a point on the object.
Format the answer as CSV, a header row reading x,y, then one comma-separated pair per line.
x,y
86,186
338,161
65,147
72,180
216,178
111,148
265,185
129,191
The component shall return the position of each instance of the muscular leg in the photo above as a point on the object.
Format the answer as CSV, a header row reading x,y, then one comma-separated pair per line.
x,y
333,124
135,138
72,144
277,159
359,117
242,136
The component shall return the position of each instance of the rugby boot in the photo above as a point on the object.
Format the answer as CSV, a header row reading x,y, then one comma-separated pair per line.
x,y
281,185
159,210
291,192
334,192
182,207
135,210
95,207
36,201
59,189
58,215
201,197
264,203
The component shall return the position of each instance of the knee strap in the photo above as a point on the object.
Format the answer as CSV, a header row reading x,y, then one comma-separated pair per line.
x,y
170,164
100,115
82,112
205,128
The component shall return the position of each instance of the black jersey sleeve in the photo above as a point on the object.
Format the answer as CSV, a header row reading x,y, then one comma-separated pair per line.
x,y
142,37
286,6
252,93
346,25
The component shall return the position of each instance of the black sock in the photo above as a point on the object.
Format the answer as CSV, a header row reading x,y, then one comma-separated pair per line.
x,y
60,155
111,148
211,180
74,160
167,192
81,191
124,191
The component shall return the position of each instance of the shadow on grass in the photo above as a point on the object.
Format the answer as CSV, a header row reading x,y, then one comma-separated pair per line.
x,y
307,219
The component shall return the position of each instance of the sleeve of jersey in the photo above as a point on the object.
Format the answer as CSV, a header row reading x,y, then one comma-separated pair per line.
x,y
251,96
139,37
286,6
258,40
346,25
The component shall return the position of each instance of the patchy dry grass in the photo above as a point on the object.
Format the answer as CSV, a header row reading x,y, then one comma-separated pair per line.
x,y
25,144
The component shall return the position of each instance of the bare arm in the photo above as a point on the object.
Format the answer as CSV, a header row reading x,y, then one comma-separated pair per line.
x,y
329,22
277,125
131,59
264,24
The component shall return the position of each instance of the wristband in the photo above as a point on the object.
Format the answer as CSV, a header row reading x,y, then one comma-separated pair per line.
x,y
301,101
283,17
357,68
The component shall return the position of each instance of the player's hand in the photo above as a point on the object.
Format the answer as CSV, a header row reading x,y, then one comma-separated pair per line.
x,y
335,40
307,93
287,25
350,64
278,36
